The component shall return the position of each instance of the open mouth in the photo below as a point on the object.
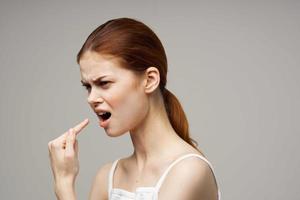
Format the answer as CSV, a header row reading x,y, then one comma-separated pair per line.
x,y
104,116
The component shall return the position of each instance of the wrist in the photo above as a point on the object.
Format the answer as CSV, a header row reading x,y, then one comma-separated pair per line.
x,y
65,189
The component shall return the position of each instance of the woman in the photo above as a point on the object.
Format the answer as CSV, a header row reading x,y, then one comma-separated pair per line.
x,y
123,66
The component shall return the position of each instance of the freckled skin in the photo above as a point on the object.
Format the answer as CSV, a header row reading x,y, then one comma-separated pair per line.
x,y
123,96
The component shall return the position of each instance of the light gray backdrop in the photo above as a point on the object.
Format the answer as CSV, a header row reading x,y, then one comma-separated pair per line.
x,y
233,65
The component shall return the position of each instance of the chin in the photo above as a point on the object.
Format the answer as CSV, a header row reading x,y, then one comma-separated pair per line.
x,y
112,133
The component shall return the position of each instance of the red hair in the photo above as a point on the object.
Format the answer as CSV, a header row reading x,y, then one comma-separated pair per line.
x,y
139,47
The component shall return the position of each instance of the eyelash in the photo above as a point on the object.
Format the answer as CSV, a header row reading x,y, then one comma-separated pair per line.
x,y
101,83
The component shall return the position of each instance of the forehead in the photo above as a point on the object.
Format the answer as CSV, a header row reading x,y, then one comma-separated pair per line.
x,y
93,65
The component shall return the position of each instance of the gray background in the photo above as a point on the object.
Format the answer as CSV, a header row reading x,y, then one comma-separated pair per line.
x,y
233,65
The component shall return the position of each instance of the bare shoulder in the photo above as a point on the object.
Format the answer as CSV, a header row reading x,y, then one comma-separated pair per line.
x,y
99,188
190,179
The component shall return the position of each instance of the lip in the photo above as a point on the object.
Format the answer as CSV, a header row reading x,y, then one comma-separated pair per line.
x,y
100,110
102,123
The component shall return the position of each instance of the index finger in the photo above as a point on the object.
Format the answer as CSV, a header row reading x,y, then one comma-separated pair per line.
x,y
80,126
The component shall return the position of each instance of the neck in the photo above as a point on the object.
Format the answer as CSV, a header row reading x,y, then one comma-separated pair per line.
x,y
154,137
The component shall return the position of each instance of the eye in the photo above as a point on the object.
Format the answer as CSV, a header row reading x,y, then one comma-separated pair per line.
x,y
87,87
103,83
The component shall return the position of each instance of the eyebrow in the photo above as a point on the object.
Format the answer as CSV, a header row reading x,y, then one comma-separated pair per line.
x,y
95,80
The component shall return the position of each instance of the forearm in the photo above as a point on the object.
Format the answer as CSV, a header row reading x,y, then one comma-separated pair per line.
x,y
65,190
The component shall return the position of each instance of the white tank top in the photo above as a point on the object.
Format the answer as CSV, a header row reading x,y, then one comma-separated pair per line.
x,y
145,193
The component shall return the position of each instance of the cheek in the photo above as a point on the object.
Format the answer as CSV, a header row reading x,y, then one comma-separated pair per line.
x,y
129,106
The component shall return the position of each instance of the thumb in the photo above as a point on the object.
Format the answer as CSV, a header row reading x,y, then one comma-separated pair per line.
x,y
70,143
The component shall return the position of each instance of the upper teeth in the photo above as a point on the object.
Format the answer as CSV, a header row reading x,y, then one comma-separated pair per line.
x,y
101,113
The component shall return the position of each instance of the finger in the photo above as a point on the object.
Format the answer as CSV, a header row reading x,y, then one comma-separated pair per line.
x,y
76,147
80,126
70,142
62,138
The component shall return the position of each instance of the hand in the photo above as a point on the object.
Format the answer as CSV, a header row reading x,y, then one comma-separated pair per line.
x,y
63,153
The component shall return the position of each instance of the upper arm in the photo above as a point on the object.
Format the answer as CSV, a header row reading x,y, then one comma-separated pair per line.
x,y
99,189
190,179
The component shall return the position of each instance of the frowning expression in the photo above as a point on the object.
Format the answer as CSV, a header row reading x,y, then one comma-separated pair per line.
x,y
114,89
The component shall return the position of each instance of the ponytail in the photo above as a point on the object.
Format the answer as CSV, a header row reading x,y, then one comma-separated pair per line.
x,y
177,117
139,47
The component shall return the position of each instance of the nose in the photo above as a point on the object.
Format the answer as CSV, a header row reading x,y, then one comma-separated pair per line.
x,y
94,98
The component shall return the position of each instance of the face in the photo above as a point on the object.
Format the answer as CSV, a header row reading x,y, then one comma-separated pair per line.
x,y
115,89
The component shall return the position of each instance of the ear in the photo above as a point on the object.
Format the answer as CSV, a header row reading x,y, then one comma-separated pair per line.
x,y
152,79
